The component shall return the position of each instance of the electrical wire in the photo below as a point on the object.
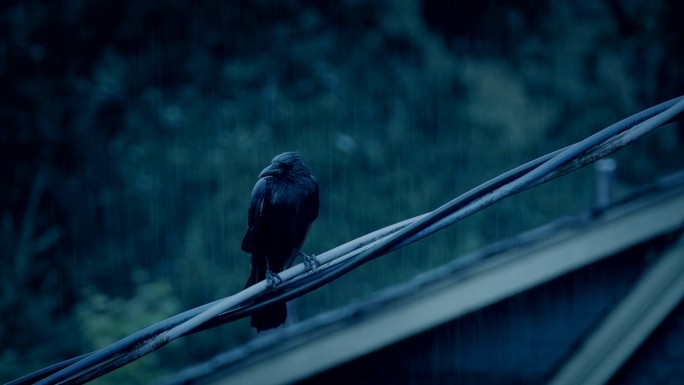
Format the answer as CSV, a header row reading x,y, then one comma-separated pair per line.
x,y
298,281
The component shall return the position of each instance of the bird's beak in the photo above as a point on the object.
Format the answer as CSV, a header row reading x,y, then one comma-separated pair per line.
x,y
271,169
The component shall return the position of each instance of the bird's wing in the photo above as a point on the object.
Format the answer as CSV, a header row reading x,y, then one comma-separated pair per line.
x,y
255,214
308,213
315,200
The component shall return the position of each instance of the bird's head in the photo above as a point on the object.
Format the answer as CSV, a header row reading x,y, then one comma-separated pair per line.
x,y
286,165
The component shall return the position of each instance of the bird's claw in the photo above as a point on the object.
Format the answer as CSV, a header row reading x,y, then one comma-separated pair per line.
x,y
311,262
272,280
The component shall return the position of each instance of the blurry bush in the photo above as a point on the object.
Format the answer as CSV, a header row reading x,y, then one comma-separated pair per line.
x,y
103,320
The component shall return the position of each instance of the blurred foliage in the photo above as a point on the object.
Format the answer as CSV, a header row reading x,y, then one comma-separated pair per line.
x,y
132,134
103,320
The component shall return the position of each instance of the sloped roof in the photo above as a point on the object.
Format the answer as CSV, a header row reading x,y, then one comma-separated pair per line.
x,y
466,284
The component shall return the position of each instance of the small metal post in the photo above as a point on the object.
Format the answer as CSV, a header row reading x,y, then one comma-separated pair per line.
x,y
604,171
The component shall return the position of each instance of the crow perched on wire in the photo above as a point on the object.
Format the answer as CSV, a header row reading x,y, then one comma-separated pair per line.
x,y
283,205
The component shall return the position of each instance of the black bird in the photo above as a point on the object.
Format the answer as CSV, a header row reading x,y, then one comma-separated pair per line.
x,y
283,205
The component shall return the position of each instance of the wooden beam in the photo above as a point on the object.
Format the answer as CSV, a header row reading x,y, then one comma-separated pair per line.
x,y
629,324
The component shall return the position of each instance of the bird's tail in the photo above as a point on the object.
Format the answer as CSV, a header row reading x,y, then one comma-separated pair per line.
x,y
269,317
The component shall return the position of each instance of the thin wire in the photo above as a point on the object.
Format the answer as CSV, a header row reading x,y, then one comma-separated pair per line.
x,y
457,210
441,218
297,281
448,214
